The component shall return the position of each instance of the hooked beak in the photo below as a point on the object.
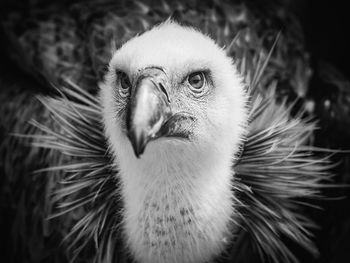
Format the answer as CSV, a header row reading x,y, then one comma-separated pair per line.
x,y
149,114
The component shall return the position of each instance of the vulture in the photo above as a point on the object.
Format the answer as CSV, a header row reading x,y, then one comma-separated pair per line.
x,y
185,153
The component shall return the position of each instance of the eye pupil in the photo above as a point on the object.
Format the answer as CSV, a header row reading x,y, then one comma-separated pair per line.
x,y
196,80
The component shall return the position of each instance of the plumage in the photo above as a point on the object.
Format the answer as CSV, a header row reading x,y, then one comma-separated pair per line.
x,y
191,187
247,170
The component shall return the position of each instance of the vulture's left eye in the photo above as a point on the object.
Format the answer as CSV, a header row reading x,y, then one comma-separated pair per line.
x,y
196,80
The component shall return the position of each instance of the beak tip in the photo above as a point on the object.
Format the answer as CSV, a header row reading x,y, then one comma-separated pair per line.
x,y
138,143
138,152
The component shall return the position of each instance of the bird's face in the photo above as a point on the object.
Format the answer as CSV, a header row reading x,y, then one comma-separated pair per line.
x,y
173,86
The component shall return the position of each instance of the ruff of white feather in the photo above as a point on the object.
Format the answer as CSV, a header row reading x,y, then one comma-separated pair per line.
x,y
277,174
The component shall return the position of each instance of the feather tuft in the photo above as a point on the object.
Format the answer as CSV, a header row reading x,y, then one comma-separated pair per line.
x,y
276,174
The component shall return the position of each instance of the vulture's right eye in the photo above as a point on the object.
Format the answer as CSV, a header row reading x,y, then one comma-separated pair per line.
x,y
124,84
196,80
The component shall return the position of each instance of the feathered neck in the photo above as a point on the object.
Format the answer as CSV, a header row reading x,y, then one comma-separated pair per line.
x,y
178,201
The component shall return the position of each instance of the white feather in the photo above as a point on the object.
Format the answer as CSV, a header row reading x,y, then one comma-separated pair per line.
x,y
178,196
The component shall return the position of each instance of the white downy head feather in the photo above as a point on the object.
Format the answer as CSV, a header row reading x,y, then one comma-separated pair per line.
x,y
178,197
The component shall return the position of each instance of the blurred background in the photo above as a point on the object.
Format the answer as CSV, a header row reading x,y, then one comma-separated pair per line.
x,y
45,42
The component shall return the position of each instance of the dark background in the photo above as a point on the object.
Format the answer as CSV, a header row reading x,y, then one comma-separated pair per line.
x,y
326,25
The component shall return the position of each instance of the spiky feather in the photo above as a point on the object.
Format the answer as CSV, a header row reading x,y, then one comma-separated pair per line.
x,y
276,176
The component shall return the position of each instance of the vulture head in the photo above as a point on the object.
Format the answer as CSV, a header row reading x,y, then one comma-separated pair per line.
x,y
174,111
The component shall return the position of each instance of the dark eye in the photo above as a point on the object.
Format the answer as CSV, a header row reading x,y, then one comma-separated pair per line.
x,y
196,80
125,84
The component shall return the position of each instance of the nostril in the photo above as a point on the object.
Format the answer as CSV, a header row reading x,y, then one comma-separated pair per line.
x,y
164,91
